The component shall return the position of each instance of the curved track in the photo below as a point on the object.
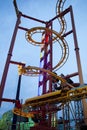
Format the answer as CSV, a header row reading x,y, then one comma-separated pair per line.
x,y
56,36
37,70
62,21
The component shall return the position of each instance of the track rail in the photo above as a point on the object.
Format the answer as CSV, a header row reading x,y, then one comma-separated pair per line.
x,y
51,98
62,21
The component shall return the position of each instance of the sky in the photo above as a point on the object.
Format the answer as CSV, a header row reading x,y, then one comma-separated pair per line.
x,y
29,54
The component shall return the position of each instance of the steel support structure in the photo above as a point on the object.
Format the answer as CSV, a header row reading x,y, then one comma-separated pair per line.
x,y
9,56
45,80
47,65
14,122
80,75
6,68
78,63
46,62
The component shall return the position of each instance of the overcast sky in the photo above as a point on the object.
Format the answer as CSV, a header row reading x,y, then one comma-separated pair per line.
x,y
29,54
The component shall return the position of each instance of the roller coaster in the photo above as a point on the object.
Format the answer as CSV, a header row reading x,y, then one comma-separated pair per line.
x,y
49,103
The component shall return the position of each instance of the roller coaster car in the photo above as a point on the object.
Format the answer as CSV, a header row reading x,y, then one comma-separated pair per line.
x,y
64,87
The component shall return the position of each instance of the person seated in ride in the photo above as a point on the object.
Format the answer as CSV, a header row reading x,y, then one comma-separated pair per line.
x,y
57,85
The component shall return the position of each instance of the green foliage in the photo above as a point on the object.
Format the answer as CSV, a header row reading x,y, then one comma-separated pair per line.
x,y
6,122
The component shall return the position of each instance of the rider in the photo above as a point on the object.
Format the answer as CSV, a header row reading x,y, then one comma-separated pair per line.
x,y
57,85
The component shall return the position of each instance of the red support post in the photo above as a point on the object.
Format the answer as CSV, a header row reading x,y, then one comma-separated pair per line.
x,y
4,76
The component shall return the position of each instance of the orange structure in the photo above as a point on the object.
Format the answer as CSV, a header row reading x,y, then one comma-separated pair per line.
x,y
47,105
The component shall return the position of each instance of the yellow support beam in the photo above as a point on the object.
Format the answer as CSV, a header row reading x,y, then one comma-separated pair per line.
x,y
57,97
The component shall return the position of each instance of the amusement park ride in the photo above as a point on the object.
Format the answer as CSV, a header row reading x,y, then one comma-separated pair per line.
x,y
67,98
